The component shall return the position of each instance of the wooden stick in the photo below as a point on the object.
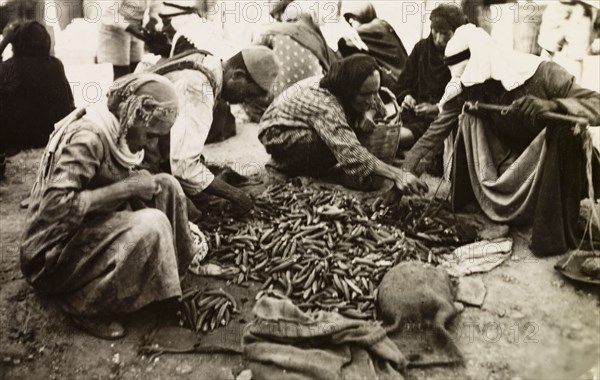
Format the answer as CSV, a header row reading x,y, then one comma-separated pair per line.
x,y
507,109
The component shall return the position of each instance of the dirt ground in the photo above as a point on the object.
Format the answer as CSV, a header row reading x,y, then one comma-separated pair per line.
x,y
533,323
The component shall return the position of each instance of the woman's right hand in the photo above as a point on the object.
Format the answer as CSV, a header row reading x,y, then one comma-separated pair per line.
x,y
143,185
427,110
410,184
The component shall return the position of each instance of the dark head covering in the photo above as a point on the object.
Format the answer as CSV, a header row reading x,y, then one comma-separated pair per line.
x,y
345,77
447,17
31,39
34,90
362,11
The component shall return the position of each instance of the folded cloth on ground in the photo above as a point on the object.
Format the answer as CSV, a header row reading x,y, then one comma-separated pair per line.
x,y
479,257
286,343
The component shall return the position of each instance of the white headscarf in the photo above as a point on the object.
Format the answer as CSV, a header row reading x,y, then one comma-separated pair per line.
x,y
111,129
488,60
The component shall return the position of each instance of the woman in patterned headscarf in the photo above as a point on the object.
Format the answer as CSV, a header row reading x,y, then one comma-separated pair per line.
x,y
313,128
101,237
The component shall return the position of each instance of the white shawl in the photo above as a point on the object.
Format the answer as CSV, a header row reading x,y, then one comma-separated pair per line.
x,y
488,61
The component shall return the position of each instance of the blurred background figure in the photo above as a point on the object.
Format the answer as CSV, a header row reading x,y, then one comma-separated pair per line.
x,y
12,11
380,38
567,32
298,43
120,38
192,20
15,10
34,90
69,10
327,15
473,8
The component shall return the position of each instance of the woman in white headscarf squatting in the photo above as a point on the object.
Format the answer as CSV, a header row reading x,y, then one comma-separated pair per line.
x,y
103,238
518,167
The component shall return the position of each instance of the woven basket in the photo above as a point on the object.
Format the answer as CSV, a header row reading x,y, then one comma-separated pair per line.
x,y
383,141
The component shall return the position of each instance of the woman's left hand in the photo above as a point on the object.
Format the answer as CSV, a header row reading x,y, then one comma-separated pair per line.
x,y
531,106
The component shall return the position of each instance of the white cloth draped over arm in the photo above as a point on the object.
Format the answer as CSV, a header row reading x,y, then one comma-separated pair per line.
x,y
189,133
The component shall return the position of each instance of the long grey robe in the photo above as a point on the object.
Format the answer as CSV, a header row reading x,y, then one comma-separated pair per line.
x,y
106,262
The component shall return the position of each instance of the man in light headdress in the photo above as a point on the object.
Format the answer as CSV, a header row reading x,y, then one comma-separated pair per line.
x,y
519,167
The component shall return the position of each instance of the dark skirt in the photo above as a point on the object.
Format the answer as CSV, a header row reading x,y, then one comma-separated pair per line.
x,y
564,184
301,152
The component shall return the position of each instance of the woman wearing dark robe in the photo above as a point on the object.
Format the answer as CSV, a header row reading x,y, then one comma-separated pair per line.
x,y
311,128
423,79
35,92
518,167
379,36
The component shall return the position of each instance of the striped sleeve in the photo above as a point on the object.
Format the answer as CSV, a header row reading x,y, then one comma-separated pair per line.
x,y
354,159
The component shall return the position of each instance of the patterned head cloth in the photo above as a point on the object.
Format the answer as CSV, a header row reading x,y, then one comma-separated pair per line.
x,y
149,98
146,96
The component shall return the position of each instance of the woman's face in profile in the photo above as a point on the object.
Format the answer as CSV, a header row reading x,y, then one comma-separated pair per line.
x,y
142,134
363,101
138,137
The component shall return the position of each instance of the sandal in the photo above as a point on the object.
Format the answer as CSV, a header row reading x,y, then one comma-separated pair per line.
x,y
101,327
